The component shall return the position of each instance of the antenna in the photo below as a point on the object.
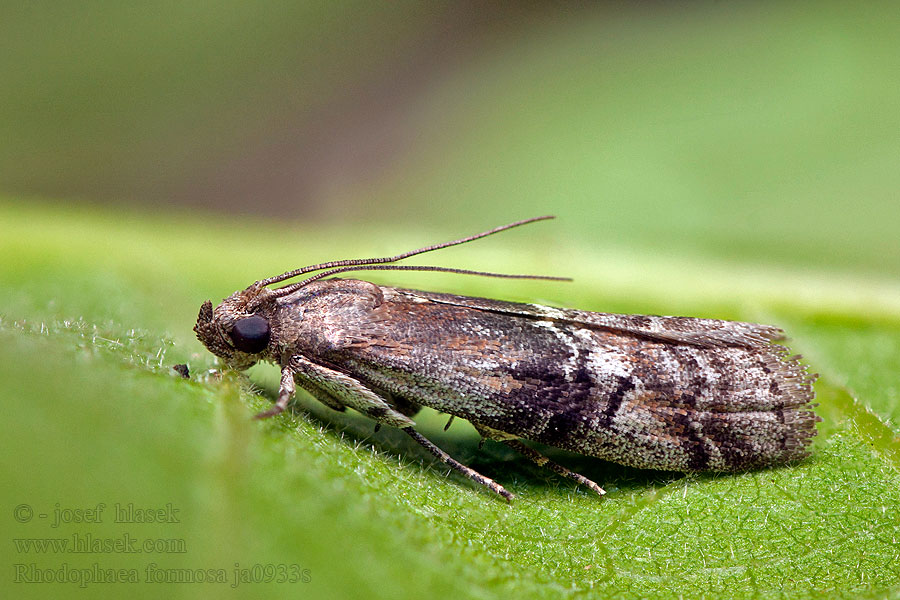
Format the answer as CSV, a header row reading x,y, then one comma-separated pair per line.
x,y
383,264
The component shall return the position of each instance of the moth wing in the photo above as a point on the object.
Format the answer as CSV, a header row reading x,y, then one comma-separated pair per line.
x,y
685,330
669,393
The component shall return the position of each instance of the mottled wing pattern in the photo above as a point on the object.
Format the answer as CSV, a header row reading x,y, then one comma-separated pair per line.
x,y
654,392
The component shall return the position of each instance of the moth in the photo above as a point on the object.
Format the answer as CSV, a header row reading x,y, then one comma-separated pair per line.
x,y
669,393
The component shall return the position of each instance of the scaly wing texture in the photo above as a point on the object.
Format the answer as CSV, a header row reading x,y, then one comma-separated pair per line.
x,y
669,393
707,332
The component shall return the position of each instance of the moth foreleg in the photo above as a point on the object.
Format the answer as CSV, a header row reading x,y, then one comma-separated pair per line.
x,y
545,462
284,394
322,396
458,466
344,390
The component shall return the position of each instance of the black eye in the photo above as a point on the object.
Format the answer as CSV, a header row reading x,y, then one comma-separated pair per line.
x,y
251,335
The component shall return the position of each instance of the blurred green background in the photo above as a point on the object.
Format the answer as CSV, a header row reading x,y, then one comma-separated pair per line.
x,y
733,160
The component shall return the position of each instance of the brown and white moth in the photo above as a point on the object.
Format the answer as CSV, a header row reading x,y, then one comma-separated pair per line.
x,y
671,393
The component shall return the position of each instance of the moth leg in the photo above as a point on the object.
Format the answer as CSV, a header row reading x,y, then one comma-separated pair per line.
x,y
401,405
322,396
468,472
344,391
545,462
284,394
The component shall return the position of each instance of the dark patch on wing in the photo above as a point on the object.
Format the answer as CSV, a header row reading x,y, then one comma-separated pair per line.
x,y
544,373
737,452
559,391
563,425
692,441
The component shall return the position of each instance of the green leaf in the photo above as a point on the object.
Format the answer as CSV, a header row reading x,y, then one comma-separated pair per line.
x,y
96,309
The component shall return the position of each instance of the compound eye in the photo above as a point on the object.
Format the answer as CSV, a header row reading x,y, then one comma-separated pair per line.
x,y
251,335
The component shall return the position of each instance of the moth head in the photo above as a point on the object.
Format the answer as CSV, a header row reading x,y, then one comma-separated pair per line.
x,y
237,331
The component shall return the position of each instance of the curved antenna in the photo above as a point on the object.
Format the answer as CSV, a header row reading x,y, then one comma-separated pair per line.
x,y
391,259
290,289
